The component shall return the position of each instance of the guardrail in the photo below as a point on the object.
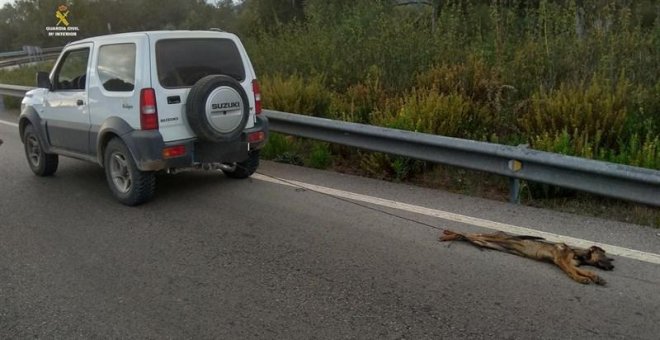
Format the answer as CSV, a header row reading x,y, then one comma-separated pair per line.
x,y
25,60
614,180
14,90
608,179
29,54
31,51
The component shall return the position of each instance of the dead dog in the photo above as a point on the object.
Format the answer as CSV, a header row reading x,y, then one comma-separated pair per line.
x,y
565,257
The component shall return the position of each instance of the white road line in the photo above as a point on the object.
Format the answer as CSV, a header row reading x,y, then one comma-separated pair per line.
x,y
614,250
8,123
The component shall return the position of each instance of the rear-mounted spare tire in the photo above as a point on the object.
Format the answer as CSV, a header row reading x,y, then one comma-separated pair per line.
x,y
217,108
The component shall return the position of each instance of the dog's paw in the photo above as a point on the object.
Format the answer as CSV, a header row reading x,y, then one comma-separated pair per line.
x,y
599,281
582,279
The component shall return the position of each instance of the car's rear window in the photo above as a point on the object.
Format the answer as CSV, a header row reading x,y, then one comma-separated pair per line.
x,y
182,62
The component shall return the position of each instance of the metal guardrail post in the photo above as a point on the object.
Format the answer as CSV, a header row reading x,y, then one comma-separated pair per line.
x,y
514,182
514,190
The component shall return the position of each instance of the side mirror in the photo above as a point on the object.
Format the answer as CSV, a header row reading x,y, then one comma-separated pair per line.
x,y
43,81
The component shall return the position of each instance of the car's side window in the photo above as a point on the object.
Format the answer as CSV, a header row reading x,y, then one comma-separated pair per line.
x,y
116,67
72,72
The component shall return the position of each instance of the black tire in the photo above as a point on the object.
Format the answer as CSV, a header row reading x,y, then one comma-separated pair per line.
x,y
41,163
128,184
196,110
246,168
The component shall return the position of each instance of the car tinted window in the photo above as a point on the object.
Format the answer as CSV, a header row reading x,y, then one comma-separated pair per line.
x,y
71,74
116,67
182,62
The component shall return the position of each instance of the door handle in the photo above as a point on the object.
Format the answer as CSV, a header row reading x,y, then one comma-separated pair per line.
x,y
79,102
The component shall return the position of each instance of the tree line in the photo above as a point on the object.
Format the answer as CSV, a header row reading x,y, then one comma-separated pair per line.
x,y
24,22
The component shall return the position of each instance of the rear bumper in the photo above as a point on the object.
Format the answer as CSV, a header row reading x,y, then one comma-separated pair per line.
x,y
147,149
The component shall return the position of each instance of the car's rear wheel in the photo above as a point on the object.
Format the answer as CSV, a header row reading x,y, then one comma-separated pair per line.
x,y
41,163
128,184
244,169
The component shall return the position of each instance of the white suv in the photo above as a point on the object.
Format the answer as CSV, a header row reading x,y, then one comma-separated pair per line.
x,y
136,103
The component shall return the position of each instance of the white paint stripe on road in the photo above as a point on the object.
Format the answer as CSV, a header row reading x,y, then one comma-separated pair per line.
x,y
8,123
614,250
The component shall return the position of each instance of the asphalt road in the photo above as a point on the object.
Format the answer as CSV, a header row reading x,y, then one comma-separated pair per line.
x,y
212,257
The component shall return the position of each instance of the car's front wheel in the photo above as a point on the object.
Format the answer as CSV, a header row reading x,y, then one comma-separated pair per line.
x,y
128,184
41,163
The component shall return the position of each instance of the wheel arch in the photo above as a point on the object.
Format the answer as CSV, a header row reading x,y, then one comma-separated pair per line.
x,y
145,146
29,116
113,127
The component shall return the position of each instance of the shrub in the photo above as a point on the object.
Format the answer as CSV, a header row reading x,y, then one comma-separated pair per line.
x,y
319,155
296,94
277,145
432,112
391,167
591,115
359,101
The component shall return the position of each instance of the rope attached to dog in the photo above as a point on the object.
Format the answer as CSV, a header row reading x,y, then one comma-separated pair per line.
x,y
299,187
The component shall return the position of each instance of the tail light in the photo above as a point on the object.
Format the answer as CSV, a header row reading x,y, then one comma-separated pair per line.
x,y
257,96
256,137
174,151
148,110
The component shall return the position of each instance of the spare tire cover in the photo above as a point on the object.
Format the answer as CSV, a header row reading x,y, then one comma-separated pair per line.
x,y
217,108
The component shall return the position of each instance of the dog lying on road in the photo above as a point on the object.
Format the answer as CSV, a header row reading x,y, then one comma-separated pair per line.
x,y
565,257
